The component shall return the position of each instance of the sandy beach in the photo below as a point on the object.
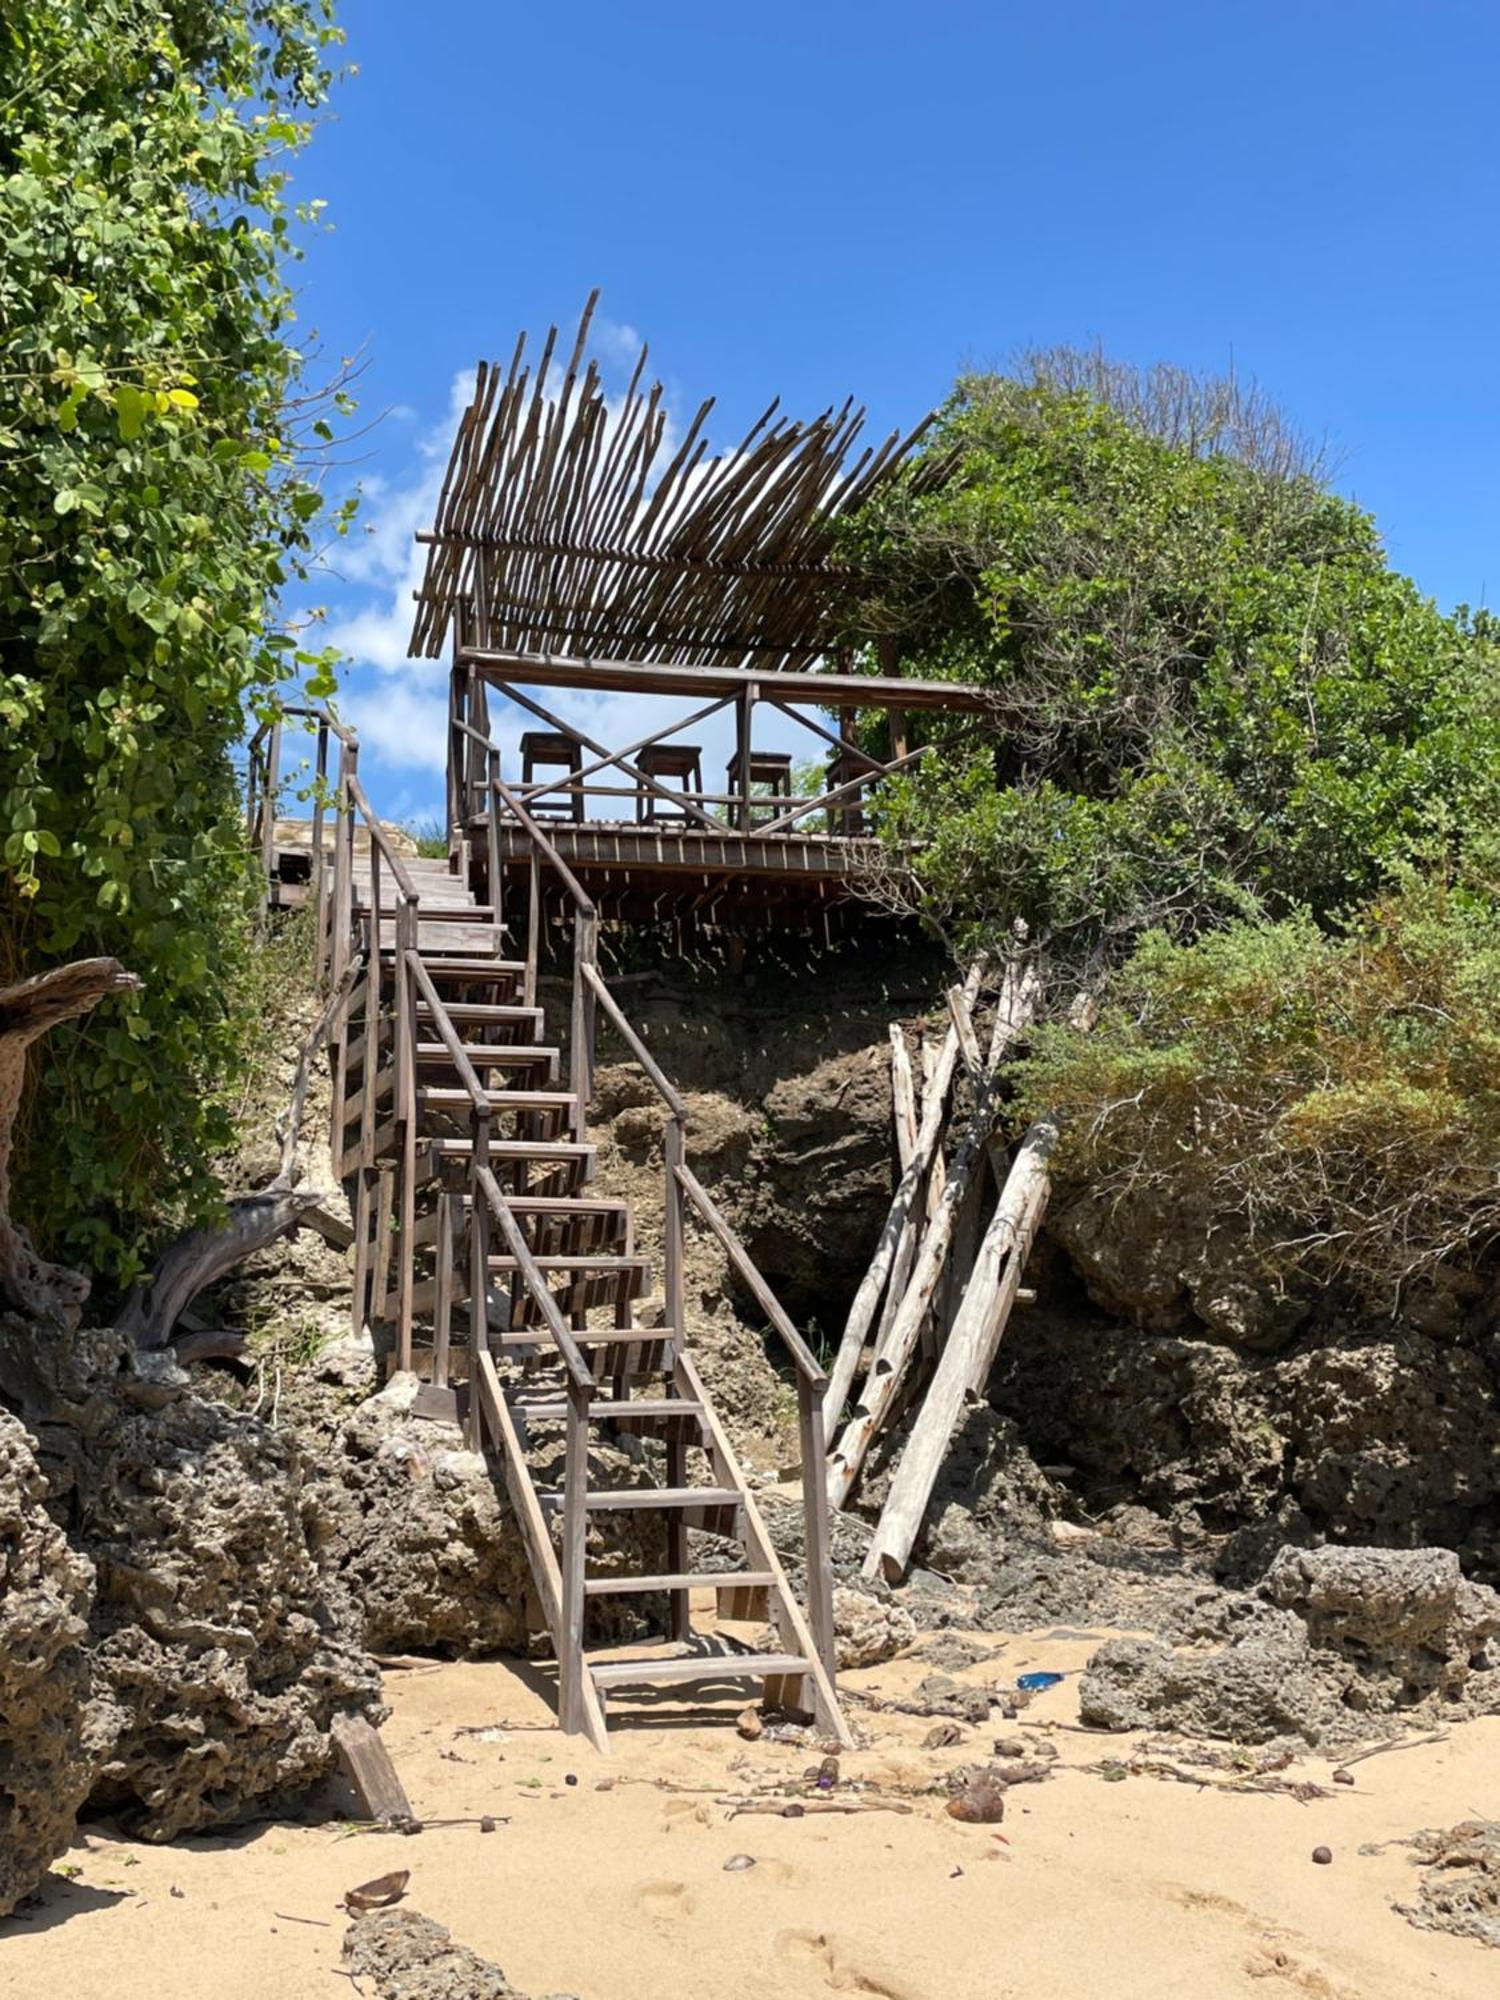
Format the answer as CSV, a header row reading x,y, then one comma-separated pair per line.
x,y
606,1877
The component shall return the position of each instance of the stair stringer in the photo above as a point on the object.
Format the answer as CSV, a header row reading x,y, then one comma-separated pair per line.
x,y
545,1569
789,1617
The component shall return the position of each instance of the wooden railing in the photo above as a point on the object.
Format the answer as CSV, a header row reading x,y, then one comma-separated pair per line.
x,y
853,772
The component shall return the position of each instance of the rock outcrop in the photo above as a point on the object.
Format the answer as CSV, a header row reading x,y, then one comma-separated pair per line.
x,y
409,1957
49,1727
1334,1642
216,1659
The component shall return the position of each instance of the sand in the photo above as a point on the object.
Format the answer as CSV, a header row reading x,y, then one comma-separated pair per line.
x,y
1118,1889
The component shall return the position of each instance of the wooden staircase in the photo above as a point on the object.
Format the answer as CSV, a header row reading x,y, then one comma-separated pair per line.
x,y
484,1244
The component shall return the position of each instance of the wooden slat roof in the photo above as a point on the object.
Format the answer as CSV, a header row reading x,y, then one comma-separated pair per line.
x,y
576,525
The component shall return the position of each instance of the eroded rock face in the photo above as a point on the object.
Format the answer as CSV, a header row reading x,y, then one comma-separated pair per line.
x,y
1406,1613
218,1658
1331,1641
410,1528
409,1957
1391,1439
49,1729
1164,1266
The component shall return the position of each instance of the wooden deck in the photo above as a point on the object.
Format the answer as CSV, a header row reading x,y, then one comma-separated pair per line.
x,y
727,880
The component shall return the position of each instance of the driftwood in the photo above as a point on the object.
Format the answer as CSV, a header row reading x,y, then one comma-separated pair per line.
x,y
966,1360
907,1124
964,1366
1016,1006
27,1012
366,1763
197,1257
873,1284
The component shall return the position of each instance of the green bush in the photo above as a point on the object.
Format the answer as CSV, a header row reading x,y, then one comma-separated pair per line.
x,y
1338,1093
153,442
1212,696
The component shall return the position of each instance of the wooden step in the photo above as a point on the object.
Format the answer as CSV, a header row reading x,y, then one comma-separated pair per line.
x,y
463,1013
680,1668
469,971
665,1416
646,1499
494,1055
616,1336
707,1579
544,1154
440,1097
546,1212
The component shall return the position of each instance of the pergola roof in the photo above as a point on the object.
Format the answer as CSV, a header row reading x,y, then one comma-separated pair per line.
x,y
570,524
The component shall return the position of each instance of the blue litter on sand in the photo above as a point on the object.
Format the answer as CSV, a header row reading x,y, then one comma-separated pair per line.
x,y
1031,1682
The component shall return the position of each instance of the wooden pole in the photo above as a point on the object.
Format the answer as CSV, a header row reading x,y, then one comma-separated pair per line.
x,y
574,1553
1016,1007
872,1285
817,1541
970,1351
907,1123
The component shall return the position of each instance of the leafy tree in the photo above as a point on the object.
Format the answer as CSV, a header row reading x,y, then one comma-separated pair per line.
x,y
1212,696
154,498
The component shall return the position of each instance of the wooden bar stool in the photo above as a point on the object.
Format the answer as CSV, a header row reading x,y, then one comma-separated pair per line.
x,y
770,768
668,762
550,750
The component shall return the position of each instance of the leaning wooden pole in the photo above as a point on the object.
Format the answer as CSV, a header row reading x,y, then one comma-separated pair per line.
x,y
964,1366
873,1284
970,1350
1016,1006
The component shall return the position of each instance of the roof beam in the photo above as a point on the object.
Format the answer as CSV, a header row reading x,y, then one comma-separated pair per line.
x,y
700,683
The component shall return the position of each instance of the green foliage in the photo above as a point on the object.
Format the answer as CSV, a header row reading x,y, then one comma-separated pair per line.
x,y
1337,1094
153,506
430,838
1212,696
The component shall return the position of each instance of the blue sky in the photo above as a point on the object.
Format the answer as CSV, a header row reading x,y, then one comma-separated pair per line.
x,y
823,198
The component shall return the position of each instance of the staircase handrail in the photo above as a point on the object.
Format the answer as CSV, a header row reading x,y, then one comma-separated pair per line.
x,y
807,1363
675,1104
572,1355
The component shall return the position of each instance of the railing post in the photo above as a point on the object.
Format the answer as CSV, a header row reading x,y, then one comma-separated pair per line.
x,y
581,1051
406,1114
374,1000
319,878
457,751
674,1153
268,810
816,1543
343,866
492,847
570,1668
479,1265
533,929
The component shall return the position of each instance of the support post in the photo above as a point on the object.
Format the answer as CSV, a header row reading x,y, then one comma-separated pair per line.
x,y
674,1152
479,1260
570,1665
581,1050
817,1544
744,726
492,850
406,1116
